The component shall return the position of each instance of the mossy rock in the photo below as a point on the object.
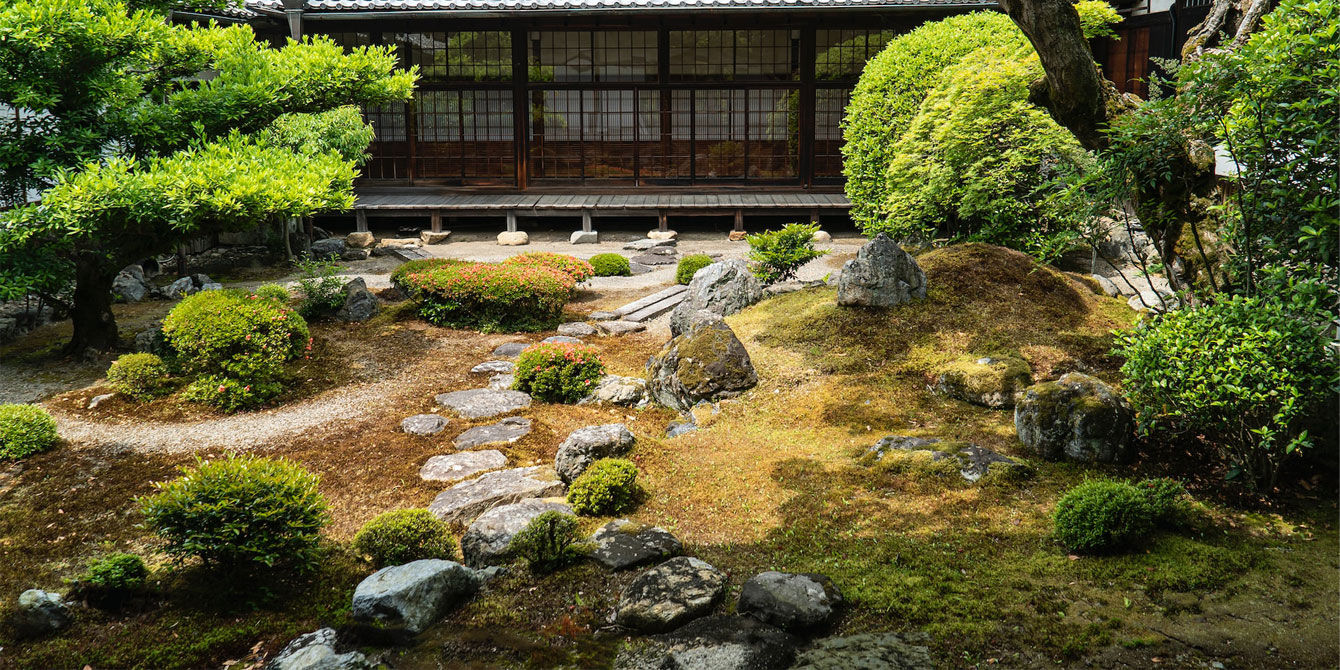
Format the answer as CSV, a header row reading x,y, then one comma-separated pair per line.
x,y
1077,418
989,381
706,363
929,457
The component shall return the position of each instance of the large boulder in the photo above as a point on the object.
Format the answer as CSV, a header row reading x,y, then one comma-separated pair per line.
x,y
360,240
881,275
129,284
359,303
328,249
39,613
989,381
670,594
623,544
589,444
487,539
794,602
483,403
415,594
467,500
1076,418
707,362
717,642
885,651
316,651
722,288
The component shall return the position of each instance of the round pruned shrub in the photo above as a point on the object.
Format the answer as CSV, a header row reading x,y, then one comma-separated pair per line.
x,y
116,573
25,430
489,297
1244,375
235,335
611,265
1168,501
546,543
558,371
689,266
404,535
572,266
608,487
240,513
1101,516
407,268
140,376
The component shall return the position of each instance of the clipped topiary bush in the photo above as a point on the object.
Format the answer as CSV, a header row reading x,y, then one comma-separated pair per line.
x,y
25,430
140,376
240,513
1243,375
404,535
1102,516
547,541
611,265
558,371
609,486
490,298
777,255
689,266
572,266
235,335
116,573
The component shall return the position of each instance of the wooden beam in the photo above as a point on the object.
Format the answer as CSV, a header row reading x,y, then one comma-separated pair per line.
x,y
436,220
586,220
739,219
361,219
662,224
511,220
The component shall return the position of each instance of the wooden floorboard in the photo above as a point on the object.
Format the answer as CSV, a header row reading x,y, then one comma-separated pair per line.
x,y
558,203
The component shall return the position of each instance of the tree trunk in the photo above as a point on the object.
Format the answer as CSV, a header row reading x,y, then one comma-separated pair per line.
x,y
91,311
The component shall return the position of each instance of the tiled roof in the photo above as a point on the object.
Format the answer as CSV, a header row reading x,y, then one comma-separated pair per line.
x,y
522,5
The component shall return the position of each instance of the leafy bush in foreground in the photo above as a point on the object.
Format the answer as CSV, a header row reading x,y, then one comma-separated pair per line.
x,y
547,541
141,376
558,371
611,265
322,289
689,266
404,535
25,430
778,254
490,298
240,513
609,486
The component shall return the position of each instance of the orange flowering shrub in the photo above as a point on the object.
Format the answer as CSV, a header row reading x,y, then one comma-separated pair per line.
x,y
572,266
489,297
558,371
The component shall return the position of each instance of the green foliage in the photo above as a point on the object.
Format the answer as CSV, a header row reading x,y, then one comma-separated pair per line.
x,y
608,487
240,513
236,335
341,131
117,573
488,297
1100,516
404,535
322,289
140,376
778,254
610,265
572,266
558,371
689,266
1242,374
1168,500
231,395
1096,18
25,430
275,292
547,541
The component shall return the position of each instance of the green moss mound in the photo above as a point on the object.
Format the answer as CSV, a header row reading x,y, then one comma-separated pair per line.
x,y
609,486
404,535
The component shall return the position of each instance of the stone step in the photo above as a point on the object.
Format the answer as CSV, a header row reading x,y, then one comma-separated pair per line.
x,y
656,309
647,301
408,253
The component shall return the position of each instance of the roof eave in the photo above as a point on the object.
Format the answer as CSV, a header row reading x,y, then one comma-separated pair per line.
x,y
344,14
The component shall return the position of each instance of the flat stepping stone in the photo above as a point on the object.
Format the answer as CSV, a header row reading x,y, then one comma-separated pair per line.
x,y
620,327
655,304
507,431
465,501
897,651
483,403
451,468
486,541
493,367
648,244
639,269
561,339
424,424
624,544
603,316
654,260
510,350
669,595
974,462
576,329
501,382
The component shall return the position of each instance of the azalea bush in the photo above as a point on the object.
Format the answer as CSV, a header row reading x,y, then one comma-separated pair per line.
x,y
407,268
234,334
608,487
490,297
231,395
572,266
558,371
1103,516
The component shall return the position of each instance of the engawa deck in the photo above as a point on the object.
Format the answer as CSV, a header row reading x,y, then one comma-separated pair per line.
x,y
514,206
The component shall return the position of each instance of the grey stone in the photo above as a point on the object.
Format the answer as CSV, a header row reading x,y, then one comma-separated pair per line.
x,y
638,268
1076,418
669,595
793,602
129,284
648,244
722,288
493,367
616,390
355,255
39,613
584,237
359,303
430,237
424,424
510,350
653,260
677,428
99,399
501,382
623,544
179,288
973,461
589,444
576,329
507,431
329,248
483,403
450,468
211,286
663,250
990,381
620,327
869,651
821,237
561,339
881,275
716,642
316,651
1107,286
413,595
465,501
1153,301
708,362
601,315
486,541
781,288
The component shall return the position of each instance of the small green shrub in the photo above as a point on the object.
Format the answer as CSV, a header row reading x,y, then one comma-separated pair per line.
x,y
411,267
273,292
547,541
490,298
240,513
558,371
609,486
1168,500
117,573
231,395
322,289
778,254
404,535
25,430
1100,516
689,266
572,266
140,376
611,265
235,335
1244,375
